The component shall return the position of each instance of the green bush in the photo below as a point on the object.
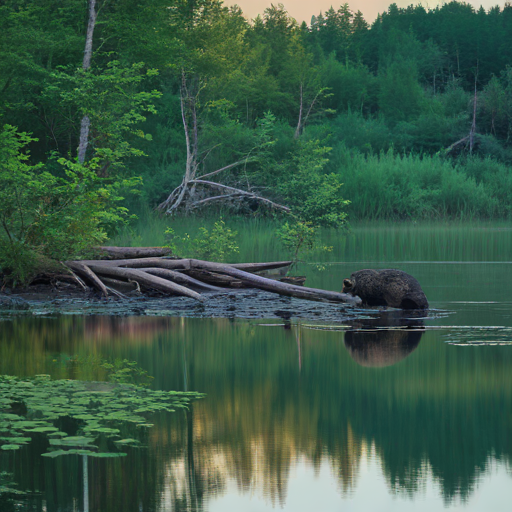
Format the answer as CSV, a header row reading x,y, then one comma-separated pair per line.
x,y
300,238
215,245
313,195
44,216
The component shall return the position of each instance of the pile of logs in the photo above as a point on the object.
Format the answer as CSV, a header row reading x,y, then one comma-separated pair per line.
x,y
155,269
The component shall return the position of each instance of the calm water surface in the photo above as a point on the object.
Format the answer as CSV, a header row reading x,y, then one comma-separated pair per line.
x,y
304,415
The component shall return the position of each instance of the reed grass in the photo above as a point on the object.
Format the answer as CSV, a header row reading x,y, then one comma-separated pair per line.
x,y
391,186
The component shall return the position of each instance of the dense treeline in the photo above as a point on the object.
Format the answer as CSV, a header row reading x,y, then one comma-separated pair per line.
x,y
413,113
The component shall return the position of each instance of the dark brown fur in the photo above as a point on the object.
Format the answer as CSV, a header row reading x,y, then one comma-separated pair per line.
x,y
389,287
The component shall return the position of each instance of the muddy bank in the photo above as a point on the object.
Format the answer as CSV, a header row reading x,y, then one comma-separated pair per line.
x,y
241,303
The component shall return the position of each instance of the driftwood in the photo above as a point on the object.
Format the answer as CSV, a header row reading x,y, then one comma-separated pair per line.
x,y
215,278
146,280
117,253
83,270
185,276
180,278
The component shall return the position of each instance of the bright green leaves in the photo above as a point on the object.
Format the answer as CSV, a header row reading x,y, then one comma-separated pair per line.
x,y
115,104
117,412
314,196
218,244
45,216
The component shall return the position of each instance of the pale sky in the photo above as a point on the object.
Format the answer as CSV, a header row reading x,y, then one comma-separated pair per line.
x,y
302,10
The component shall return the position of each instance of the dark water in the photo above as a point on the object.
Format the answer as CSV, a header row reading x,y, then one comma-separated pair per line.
x,y
373,411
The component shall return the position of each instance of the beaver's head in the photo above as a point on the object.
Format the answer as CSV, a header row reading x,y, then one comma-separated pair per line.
x,y
348,286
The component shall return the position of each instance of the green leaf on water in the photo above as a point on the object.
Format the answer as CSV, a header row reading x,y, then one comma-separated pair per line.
x,y
58,453
72,441
10,447
128,442
107,455
97,409
42,430
16,440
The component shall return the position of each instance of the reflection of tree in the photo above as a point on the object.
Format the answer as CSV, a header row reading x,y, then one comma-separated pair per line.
x,y
441,411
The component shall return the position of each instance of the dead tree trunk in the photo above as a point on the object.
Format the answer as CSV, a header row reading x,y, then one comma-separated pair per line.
x,y
184,195
86,122
473,124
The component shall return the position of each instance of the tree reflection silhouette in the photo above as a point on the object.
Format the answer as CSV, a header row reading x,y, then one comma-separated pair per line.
x,y
426,409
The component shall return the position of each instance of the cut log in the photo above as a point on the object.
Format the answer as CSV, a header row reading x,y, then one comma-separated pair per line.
x,y
84,270
147,280
300,292
215,278
180,278
116,253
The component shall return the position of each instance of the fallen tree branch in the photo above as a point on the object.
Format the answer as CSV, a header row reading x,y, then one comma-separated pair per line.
x,y
116,253
147,280
230,166
164,274
300,292
83,269
242,192
179,278
215,278
181,264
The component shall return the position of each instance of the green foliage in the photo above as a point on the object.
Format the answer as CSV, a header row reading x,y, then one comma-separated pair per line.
x,y
218,244
112,99
404,83
43,215
101,410
393,186
314,196
301,238
400,95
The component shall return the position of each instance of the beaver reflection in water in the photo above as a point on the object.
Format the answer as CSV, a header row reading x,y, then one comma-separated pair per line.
x,y
389,287
385,340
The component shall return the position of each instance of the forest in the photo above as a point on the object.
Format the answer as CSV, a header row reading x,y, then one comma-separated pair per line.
x,y
113,108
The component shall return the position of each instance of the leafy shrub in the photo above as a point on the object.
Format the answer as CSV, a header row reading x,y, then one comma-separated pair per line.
x,y
44,216
217,245
300,238
314,196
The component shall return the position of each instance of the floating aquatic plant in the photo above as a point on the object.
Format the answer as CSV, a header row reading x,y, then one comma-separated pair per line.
x,y
105,416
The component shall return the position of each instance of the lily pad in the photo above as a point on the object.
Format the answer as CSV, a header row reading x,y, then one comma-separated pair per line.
x,y
97,409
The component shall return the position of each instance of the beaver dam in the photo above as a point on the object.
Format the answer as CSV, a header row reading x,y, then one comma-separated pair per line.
x,y
152,268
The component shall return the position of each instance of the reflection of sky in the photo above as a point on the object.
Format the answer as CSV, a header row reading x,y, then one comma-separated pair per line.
x,y
302,10
310,489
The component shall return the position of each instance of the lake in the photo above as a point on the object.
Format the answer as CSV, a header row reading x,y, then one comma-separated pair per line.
x,y
309,406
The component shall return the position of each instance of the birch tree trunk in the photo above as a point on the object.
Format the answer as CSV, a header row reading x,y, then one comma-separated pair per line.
x,y
86,122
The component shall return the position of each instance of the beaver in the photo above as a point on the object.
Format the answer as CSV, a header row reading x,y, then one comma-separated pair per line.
x,y
389,287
